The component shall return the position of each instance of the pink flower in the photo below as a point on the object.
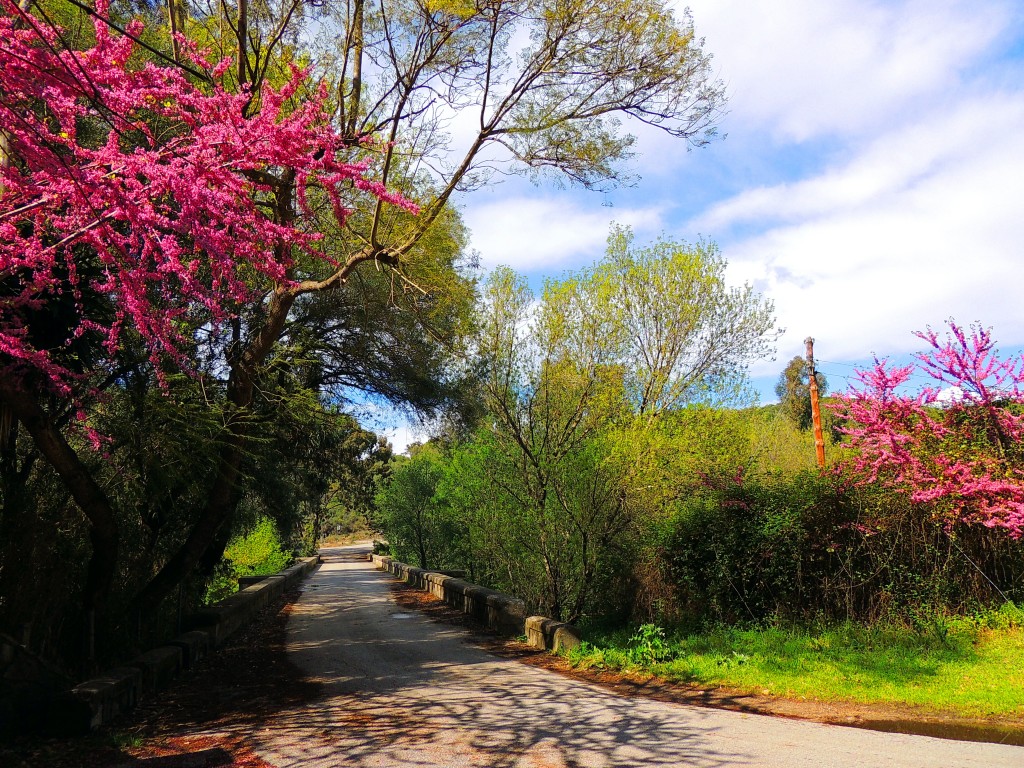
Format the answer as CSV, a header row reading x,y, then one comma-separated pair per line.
x,y
964,460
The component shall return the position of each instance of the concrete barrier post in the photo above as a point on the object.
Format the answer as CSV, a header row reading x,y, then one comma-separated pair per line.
x,y
502,613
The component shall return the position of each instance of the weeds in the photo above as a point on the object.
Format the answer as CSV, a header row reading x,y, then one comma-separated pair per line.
x,y
648,645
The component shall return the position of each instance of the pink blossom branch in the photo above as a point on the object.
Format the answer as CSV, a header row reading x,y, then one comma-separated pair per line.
x,y
175,230
963,460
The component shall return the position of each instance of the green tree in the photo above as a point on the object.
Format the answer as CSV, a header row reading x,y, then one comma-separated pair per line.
x,y
794,391
575,383
410,514
364,464
683,334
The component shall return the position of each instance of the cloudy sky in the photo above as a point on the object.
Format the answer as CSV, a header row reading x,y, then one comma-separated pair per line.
x,y
871,181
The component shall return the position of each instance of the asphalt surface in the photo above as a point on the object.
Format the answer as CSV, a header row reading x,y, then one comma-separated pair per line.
x,y
400,690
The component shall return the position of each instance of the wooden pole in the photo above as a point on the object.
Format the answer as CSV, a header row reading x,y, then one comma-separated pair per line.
x,y
819,438
172,18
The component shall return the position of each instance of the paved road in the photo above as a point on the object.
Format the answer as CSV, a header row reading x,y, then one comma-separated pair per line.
x,y
400,690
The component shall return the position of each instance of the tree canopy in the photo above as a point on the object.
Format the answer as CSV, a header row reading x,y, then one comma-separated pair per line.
x,y
794,391
215,210
576,384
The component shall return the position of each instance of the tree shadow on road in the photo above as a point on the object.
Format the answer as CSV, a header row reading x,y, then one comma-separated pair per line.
x,y
430,701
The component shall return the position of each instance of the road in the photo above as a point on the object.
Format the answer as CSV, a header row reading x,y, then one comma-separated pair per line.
x,y
400,690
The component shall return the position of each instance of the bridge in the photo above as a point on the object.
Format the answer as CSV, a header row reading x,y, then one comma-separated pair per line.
x,y
396,689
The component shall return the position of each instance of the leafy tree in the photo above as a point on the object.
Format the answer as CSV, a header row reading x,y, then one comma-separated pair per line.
x,y
364,463
574,383
794,391
168,227
553,553
410,514
683,335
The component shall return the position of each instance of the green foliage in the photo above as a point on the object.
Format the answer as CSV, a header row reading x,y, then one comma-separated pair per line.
x,y
648,645
683,334
736,552
577,386
555,549
778,446
970,671
807,546
258,552
794,391
416,523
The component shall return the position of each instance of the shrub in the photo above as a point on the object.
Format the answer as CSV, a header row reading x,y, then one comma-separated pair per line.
x,y
810,547
260,552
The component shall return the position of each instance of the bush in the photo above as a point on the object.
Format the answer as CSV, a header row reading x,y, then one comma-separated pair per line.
x,y
807,547
737,552
260,552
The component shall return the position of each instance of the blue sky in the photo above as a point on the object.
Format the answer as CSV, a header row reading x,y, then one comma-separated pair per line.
x,y
871,181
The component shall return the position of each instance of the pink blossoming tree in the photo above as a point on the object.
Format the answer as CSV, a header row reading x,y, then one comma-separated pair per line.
x,y
954,447
170,197
144,205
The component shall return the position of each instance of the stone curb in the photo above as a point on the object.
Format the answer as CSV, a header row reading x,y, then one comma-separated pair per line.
x,y
98,701
500,612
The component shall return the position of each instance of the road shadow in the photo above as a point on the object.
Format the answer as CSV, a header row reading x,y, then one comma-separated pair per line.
x,y
397,689
233,691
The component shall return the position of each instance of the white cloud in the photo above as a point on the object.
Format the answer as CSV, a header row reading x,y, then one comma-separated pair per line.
x,y
920,226
547,232
804,68
940,142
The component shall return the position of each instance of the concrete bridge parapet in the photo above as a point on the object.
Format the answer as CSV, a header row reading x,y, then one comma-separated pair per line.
x,y
502,613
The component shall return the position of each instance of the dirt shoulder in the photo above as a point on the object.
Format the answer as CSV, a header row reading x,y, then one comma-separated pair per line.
x,y
890,718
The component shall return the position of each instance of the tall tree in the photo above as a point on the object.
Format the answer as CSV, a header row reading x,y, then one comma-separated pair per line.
x,y
132,215
794,391
607,350
404,70
683,334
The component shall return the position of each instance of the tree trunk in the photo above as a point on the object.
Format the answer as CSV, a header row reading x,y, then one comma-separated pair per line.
x,y
90,498
222,499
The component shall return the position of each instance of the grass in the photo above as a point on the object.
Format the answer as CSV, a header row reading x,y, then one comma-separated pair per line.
x,y
971,667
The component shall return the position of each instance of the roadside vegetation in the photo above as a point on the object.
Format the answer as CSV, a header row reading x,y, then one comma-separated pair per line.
x,y
225,229
967,665
179,372
692,535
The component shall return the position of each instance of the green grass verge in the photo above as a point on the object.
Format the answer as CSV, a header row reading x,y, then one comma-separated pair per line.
x,y
972,667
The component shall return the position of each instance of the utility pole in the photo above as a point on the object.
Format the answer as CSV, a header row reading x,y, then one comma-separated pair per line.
x,y
819,438
172,17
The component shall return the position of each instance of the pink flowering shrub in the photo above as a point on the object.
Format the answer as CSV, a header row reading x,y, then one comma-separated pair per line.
x,y
955,447
141,188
